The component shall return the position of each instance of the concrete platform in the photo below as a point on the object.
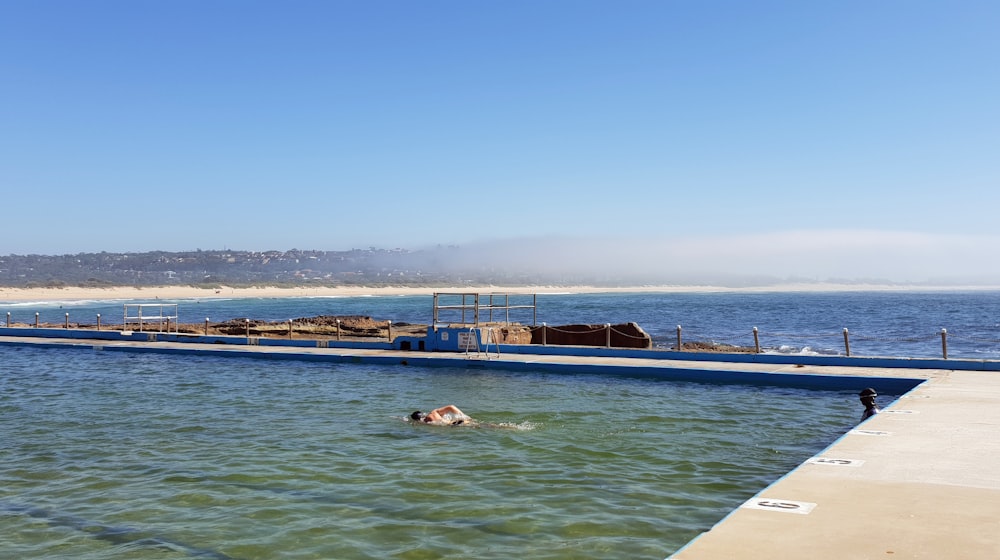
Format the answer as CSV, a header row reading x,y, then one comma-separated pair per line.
x,y
919,480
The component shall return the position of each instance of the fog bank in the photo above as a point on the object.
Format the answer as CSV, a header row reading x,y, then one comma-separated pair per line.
x,y
840,256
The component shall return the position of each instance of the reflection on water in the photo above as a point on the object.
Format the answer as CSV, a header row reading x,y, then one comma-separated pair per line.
x,y
110,455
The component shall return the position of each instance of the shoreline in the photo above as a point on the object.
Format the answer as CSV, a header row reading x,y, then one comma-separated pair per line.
x,y
159,293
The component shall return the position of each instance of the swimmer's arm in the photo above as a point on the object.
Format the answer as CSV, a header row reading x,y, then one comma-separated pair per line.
x,y
450,409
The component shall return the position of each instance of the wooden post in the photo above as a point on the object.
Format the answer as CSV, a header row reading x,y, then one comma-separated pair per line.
x,y
756,341
847,343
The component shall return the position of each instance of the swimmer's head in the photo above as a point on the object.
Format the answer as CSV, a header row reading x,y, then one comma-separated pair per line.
x,y
417,416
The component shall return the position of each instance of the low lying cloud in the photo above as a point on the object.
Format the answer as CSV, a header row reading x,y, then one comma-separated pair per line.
x,y
844,256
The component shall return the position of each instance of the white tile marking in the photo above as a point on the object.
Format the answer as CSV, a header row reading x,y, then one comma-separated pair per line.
x,y
869,433
836,462
778,505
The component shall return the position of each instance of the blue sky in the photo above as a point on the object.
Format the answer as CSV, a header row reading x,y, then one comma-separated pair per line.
x,y
814,139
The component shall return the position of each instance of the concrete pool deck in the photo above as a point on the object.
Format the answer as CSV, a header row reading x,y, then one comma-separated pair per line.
x,y
919,480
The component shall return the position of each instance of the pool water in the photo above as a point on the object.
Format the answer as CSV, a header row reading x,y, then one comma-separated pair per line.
x,y
119,455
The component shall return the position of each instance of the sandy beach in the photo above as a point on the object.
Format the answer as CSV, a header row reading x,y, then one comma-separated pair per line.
x,y
132,293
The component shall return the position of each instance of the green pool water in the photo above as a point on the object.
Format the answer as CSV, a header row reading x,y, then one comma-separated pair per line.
x,y
117,455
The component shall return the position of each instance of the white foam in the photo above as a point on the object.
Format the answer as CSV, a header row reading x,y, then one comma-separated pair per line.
x,y
522,426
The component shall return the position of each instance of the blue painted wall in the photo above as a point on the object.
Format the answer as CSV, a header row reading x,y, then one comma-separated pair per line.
x,y
450,339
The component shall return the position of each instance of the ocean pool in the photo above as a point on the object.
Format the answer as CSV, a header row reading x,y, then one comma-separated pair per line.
x,y
135,455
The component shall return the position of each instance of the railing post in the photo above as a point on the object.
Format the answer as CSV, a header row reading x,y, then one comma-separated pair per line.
x,y
607,328
66,324
8,319
847,343
98,321
248,328
944,343
338,329
544,328
168,324
289,328
206,326
680,344
36,319
756,341
388,330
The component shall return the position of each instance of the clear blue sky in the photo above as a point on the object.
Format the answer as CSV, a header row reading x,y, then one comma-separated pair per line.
x,y
786,128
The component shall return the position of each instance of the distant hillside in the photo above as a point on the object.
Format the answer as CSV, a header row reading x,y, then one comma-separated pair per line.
x,y
441,266
369,267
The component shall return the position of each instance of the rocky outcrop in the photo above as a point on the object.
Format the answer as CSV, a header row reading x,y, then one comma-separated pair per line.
x,y
319,327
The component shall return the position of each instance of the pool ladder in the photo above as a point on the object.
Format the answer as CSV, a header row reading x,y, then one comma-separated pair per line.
x,y
483,350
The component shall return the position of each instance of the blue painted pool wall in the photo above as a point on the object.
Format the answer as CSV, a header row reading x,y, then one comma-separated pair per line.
x,y
796,359
446,339
229,346
436,341
136,336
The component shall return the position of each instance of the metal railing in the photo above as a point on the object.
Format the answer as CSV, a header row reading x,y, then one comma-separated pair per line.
x,y
470,308
160,314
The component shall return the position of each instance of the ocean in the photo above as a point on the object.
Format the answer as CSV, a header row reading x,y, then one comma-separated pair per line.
x,y
905,324
121,455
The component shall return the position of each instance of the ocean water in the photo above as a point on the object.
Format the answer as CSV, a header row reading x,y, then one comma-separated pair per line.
x,y
906,324
109,455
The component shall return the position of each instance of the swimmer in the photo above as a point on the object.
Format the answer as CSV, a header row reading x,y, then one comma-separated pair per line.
x,y
445,416
867,397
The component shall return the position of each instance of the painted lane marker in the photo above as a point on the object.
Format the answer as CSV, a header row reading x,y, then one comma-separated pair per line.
x,y
783,506
869,433
836,462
